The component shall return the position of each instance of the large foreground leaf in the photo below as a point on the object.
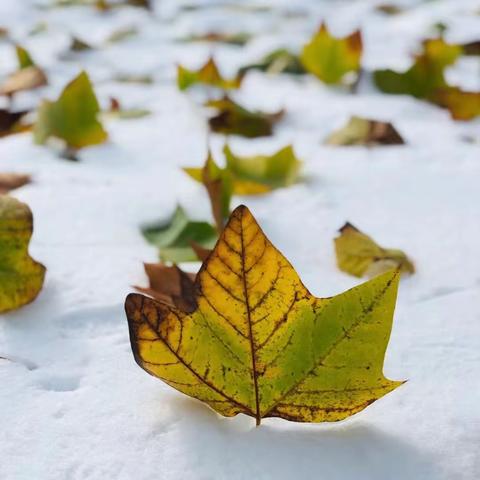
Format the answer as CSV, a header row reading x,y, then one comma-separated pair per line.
x,y
21,277
259,343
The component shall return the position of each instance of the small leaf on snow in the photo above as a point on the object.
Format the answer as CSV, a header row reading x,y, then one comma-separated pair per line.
x,y
21,277
268,171
425,76
239,39
23,57
362,131
389,9
330,58
206,75
11,181
278,61
122,34
359,255
170,285
117,111
259,343
174,237
11,122
27,78
461,104
73,117
233,119
78,45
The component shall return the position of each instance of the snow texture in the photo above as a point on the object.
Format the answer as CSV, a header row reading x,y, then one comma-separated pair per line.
x,y
73,403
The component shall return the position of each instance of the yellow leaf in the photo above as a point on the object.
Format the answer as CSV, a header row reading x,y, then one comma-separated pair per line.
x,y
21,277
207,75
259,343
359,255
330,58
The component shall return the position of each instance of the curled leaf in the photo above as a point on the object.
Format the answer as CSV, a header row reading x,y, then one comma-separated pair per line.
x,y
11,181
206,75
359,255
174,237
330,58
278,61
233,119
170,285
21,277
259,343
73,117
362,131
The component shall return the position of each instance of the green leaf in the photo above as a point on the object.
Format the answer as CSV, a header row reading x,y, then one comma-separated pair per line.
x,y
258,342
206,75
73,117
174,237
425,76
330,58
359,255
21,277
362,131
278,61
238,39
24,58
233,119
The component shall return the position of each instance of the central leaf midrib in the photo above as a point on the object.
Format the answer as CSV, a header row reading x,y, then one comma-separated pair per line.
x,y
250,329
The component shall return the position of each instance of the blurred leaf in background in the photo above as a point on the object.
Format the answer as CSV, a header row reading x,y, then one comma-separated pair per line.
x,y
278,61
330,58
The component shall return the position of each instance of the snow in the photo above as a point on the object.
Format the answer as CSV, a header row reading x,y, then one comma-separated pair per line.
x,y
73,403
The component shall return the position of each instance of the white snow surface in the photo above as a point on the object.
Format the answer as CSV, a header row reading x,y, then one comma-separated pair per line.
x,y
75,406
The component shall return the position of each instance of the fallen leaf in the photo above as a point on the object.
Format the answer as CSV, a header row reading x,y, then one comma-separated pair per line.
x,y
23,57
117,111
461,104
202,253
170,285
11,181
471,48
11,122
278,61
425,76
21,277
133,78
238,39
78,45
389,9
174,237
73,117
122,34
233,119
27,78
359,255
259,343
362,131
206,75
330,58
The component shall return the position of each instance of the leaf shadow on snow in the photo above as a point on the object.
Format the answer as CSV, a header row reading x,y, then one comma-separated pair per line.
x,y
281,450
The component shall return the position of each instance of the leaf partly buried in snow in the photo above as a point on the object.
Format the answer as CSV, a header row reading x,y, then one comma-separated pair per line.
x,y
170,285
73,117
11,181
278,61
362,131
359,255
330,58
232,119
259,343
174,237
116,110
425,76
21,277
208,75
23,57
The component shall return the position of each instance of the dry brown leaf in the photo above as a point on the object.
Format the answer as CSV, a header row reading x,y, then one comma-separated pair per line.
x,y
24,79
10,181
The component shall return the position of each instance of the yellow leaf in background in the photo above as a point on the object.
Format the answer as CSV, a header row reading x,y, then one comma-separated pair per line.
x,y
21,277
259,343
359,255
330,58
206,75
461,104
73,117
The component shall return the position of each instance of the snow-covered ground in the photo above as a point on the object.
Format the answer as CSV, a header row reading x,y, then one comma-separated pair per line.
x,y
75,406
